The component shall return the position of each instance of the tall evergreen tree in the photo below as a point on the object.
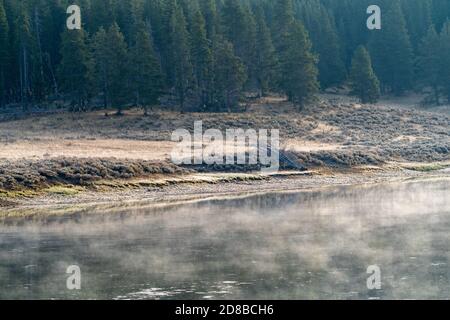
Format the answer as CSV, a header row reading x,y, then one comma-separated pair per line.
x,y
230,76
25,56
209,11
4,54
102,14
266,60
76,69
418,19
41,81
444,66
240,29
111,53
52,22
363,80
145,74
325,42
186,41
283,17
429,62
180,56
440,12
130,14
298,66
164,34
392,53
202,61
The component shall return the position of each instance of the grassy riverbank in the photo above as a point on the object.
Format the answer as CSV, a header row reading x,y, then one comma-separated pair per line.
x,y
66,155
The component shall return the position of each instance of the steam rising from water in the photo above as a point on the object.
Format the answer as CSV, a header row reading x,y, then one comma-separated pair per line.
x,y
302,245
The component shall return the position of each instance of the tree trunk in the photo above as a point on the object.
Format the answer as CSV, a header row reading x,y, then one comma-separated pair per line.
x,y
24,85
52,73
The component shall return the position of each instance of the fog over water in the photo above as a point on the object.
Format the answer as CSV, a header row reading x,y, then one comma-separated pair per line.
x,y
305,245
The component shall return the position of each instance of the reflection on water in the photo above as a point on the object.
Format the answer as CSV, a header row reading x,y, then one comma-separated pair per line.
x,y
276,246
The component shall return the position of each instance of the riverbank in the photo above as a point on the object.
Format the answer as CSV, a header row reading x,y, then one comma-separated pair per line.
x,y
110,197
72,159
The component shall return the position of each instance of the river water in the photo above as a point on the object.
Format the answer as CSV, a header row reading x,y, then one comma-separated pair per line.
x,y
304,245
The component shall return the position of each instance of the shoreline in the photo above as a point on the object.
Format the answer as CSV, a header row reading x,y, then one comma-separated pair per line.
x,y
205,187
72,161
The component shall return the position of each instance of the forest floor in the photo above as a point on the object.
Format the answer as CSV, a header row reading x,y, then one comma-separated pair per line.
x,y
96,157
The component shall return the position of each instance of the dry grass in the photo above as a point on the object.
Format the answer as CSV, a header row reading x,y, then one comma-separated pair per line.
x,y
39,174
80,149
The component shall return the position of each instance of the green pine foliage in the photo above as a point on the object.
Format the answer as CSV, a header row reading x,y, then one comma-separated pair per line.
x,y
202,61
266,61
323,34
183,77
229,76
205,55
392,52
429,63
283,17
146,79
75,71
240,29
111,57
363,80
26,54
298,66
444,65
4,53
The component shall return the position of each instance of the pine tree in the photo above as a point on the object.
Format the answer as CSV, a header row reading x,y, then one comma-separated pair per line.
x,y
266,60
202,61
41,82
25,56
392,53
240,29
363,80
102,14
145,73
209,12
186,41
230,76
110,52
164,34
4,54
324,38
99,47
351,24
298,66
52,27
429,62
76,68
440,12
283,17
180,56
418,19
129,16
444,65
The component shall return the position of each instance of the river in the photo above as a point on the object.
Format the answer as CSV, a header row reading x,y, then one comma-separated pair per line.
x,y
299,245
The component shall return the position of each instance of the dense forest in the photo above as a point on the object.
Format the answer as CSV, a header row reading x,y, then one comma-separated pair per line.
x,y
202,55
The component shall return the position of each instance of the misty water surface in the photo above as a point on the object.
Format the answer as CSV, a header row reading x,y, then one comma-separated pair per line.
x,y
275,246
